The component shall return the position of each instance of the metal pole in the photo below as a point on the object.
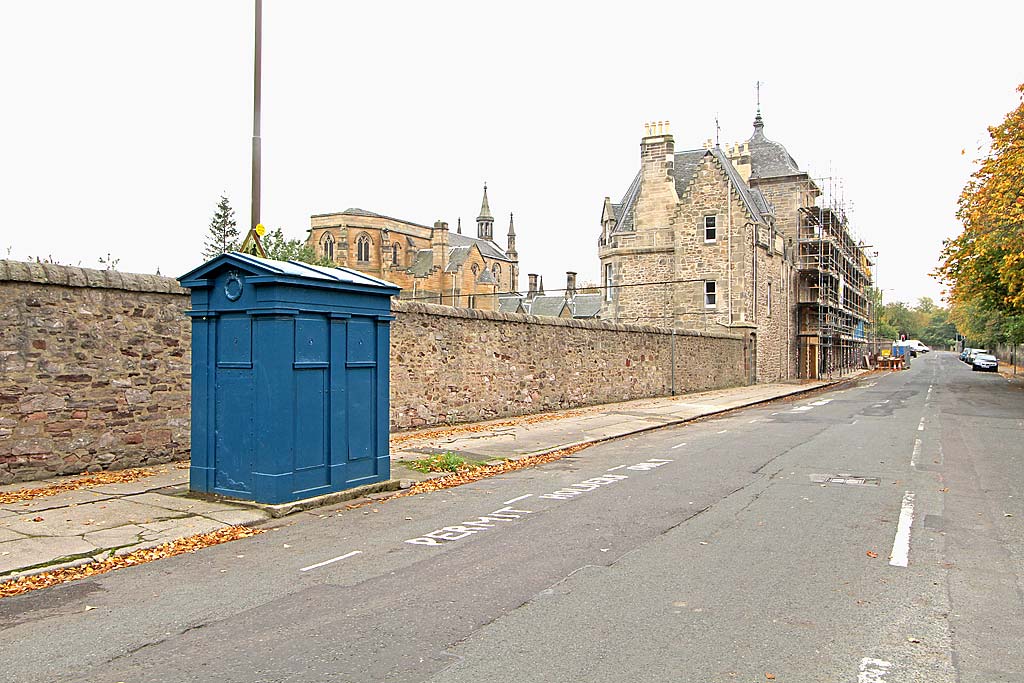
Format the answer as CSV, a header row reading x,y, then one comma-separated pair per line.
x,y
673,361
255,209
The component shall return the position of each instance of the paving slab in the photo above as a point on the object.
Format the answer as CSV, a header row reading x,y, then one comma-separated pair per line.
x,y
64,499
179,503
43,550
10,535
129,534
238,516
160,480
82,519
172,529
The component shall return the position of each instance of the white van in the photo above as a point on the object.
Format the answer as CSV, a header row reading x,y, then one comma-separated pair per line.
x,y
916,345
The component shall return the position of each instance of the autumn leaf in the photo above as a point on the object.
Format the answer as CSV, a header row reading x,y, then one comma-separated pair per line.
x,y
872,554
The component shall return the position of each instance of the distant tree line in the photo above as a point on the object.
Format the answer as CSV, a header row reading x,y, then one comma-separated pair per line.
x,y
926,321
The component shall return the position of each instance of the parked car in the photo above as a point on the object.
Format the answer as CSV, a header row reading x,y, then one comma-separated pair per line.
x,y
985,362
963,354
974,352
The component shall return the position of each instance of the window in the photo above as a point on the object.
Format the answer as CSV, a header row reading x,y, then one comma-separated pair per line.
x,y
710,229
328,247
497,273
607,282
363,248
768,299
394,254
710,294
476,270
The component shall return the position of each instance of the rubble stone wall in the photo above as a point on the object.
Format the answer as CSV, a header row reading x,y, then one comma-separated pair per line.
x,y
95,367
94,370
457,365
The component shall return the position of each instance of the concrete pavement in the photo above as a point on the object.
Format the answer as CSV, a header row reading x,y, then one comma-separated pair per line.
x,y
67,525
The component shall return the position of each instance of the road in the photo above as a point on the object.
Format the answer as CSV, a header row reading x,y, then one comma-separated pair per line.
x,y
873,533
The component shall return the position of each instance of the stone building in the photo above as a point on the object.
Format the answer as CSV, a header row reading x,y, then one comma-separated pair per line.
x,y
430,264
708,239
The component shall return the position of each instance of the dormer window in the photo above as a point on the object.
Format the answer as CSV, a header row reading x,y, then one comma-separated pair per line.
x,y
710,229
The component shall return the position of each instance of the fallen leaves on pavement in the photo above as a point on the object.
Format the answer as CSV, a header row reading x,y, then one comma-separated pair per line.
x,y
872,554
189,544
471,474
97,479
471,428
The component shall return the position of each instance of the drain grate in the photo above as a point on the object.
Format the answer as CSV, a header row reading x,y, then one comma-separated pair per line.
x,y
845,479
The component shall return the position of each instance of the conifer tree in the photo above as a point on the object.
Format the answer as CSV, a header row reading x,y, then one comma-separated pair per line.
x,y
223,233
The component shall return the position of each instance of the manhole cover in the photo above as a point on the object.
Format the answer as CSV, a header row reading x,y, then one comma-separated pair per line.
x,y
845,479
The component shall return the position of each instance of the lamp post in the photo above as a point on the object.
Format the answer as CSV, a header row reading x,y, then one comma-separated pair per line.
x,y
254,219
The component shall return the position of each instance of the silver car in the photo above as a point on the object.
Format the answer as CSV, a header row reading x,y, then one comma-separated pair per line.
x,y
985,362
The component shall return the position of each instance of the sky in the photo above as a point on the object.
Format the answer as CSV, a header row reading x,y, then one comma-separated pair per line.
x,y
122,123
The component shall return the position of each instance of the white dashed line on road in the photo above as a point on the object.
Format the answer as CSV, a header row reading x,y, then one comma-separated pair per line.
x,y
333,559
679,445
920,426
822,402
619,467
916,453
900,555
509,502
872,670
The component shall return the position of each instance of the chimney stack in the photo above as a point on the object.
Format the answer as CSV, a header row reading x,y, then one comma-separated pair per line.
x,y
570,285
439,244
532,291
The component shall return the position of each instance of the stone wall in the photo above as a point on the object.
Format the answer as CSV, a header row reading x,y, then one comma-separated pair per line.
x,y
94,367
94,370
454,365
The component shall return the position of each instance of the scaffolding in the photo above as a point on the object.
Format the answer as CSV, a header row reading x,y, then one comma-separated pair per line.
x,y
834,303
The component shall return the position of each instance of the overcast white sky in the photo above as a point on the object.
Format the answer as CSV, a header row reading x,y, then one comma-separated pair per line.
x,y
123,122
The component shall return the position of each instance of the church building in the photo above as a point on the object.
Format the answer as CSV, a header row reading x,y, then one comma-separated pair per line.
x,y
430,263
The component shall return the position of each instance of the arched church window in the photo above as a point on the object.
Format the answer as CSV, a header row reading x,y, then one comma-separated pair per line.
x,y
328,247
476,270
497,272
363,248
394,254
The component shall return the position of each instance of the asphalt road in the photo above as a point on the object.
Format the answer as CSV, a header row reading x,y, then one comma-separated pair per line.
x,y
732,549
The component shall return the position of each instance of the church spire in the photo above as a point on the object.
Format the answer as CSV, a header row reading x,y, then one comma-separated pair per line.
x,y
511,251
485,221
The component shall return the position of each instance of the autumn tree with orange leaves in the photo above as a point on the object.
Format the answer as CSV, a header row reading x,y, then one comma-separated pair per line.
x,y
984,265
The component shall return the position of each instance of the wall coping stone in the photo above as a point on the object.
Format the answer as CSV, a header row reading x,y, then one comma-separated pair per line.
x,y
73,276
402,306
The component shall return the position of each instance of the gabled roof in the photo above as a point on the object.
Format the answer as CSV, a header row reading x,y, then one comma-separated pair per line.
x,y
456,257
586,305
511,304
684,171
422,263
487,248
548,305
289,271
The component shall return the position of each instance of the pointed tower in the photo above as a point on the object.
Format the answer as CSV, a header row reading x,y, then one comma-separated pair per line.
x,y
485,221
513,256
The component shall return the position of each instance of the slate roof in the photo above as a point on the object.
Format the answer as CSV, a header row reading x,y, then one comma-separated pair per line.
x,y
586,305
548,305
487,247
422,263
739,185
296,269
354,211
769,159
510,304
456,257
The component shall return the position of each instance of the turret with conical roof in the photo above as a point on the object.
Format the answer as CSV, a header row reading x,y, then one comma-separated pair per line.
x,y
485,221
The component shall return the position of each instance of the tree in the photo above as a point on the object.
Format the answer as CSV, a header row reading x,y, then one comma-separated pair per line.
x,y
984,265
223,234
280,248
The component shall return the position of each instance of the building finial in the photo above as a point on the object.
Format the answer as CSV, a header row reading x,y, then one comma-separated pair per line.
x,y
511,224
459,225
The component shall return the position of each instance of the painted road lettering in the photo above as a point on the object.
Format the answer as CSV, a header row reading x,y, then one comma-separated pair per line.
x,y
483,523
584,486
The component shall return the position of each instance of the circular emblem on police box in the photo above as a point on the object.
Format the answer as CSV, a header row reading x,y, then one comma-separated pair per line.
x,y
233,286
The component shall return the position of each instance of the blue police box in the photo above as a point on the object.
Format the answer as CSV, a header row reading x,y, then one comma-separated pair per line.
x,y
289,378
